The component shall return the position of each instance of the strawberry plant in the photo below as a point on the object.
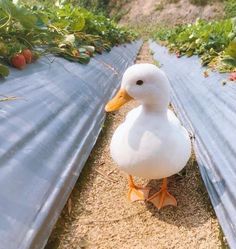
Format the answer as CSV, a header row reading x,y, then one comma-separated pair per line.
x,y
72,32
214,42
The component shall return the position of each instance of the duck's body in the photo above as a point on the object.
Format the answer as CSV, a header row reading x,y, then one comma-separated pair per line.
x,y
150,144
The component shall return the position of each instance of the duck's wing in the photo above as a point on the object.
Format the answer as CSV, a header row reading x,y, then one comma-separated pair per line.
x,y
172,118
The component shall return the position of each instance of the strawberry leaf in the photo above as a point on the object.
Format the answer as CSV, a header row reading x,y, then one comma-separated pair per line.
x,y
4,71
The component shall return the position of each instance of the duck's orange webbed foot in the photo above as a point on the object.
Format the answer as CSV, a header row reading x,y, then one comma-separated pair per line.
x,y
137,193
163,197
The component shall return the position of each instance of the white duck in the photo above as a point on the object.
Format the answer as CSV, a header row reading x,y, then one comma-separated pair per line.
x,y
151,143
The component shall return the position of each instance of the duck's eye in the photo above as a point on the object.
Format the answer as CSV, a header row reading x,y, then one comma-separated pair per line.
x,y
139,82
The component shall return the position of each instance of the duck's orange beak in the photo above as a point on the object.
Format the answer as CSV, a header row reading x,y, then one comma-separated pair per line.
x,y
120,99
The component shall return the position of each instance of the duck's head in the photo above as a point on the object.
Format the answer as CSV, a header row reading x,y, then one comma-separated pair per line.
x,y
145,83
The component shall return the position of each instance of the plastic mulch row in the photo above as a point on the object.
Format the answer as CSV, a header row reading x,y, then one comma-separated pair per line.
x,y
46,137
208,109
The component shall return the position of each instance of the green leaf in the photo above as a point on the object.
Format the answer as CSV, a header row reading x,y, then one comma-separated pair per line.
x,y
21,14
231,49
84,58
4,71
230,61
78,25
62,24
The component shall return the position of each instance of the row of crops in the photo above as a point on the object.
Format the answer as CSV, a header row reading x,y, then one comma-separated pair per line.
x,y
214,42
66,30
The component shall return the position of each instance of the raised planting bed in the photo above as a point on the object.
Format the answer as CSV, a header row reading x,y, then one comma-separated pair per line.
x,y
207,108
47,135
63,29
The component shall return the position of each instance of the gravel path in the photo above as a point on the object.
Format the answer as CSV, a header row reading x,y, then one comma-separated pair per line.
x,y
98,214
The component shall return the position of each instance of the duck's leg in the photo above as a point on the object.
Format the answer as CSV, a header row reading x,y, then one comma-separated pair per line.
x,y
163,197
137,193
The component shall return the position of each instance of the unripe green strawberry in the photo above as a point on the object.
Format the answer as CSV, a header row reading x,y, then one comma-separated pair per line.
x,y
35,56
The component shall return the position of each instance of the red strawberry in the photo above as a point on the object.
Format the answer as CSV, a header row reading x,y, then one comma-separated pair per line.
x,y
177,54
232,76
28,55
18,61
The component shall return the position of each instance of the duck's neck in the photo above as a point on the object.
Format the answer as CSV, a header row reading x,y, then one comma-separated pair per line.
x,y
157,109
157,103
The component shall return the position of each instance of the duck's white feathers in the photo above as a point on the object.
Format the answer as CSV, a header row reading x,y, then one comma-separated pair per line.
x,y
150,145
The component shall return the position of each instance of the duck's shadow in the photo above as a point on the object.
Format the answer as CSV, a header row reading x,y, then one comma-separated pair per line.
x,y
194,208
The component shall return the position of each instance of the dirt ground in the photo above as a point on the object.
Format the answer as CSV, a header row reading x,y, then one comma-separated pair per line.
x,y
161,12
99,215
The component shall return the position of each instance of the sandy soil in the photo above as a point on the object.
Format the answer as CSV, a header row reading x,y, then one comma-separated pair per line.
x,y
163,13
98,214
